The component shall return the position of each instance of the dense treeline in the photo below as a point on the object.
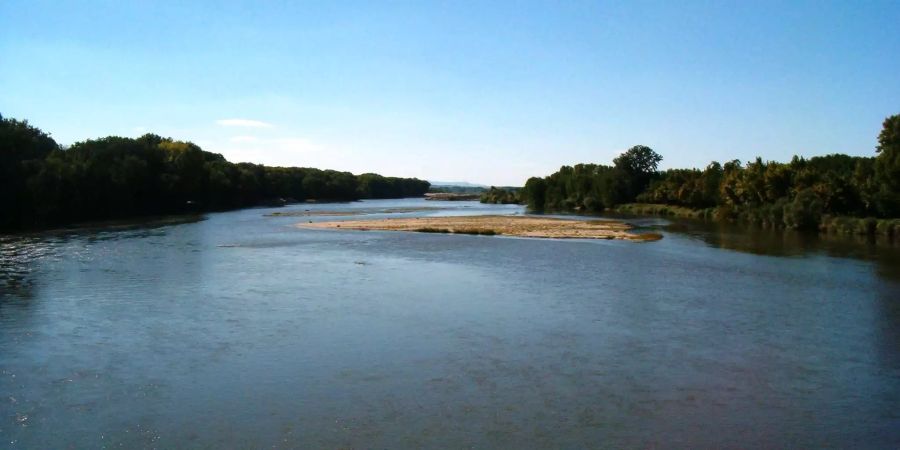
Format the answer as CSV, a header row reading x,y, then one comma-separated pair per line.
x,y
594,187
43,184
501,195
800,194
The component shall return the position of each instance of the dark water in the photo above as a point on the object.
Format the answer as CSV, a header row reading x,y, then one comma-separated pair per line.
x,y
240,331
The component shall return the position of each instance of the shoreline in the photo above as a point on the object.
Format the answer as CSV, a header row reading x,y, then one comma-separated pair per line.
x,y
884,228
452,196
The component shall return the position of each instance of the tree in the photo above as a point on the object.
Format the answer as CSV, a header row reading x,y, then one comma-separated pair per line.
x,y
887,167
804,213
534,193
22,150
639,164
116,177
639,159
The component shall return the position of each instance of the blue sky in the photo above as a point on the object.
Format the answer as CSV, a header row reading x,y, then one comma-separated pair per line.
x,y
490,92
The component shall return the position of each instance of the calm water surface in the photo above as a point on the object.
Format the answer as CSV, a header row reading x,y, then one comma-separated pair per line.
x,y
242,331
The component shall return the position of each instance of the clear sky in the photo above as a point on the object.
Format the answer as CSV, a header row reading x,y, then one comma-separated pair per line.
x,y
489,92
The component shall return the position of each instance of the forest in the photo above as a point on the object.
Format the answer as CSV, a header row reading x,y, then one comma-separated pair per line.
x,y
43,184
822,192
501,195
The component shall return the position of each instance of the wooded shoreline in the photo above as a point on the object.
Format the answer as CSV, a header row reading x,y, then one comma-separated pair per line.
x,y
833,193
45,185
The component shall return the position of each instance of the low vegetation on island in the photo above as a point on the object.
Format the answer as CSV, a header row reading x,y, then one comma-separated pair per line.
x,y
44,184
451,192
832,193
451,196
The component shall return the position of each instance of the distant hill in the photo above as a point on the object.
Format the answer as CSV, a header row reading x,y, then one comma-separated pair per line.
x,y
457,183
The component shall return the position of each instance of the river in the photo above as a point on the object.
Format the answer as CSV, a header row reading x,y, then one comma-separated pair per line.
x,y
239,330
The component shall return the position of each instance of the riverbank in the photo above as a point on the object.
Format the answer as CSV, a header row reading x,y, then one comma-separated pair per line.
x,y
451,197
835,225
653,209
523,226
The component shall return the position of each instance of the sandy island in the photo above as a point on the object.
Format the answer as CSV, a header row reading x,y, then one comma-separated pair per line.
x,y
525,226
353,212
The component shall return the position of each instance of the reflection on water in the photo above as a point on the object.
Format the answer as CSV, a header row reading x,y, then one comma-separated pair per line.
x,y
16,257
787,243
20,254
243,331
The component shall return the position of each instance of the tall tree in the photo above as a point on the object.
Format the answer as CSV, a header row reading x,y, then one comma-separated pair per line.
x,y
22,151
639,164
887,167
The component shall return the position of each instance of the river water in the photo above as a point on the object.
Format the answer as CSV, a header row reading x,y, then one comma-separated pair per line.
x,y
242,331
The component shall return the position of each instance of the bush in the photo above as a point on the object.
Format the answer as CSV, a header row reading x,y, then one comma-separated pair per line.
x,y
432,230
805,212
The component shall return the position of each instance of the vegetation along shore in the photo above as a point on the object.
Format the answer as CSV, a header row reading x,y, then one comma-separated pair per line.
x,y
834,193
44,184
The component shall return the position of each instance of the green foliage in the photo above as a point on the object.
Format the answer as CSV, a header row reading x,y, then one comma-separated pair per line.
x,y
593,187
501,195
889,228
639,165
475,231
534,193
887,168
666,210
456,190
804,212
686,187
432,230
372,185
42,184
22,150
797,195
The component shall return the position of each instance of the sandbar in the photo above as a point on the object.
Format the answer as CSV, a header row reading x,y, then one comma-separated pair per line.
x,y
523,226
354,212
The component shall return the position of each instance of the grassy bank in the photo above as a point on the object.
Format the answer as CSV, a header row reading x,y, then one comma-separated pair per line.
x,y
653,209
861,226
834,225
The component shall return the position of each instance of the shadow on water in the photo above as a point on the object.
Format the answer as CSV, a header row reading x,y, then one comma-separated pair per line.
x,y
21,254
884,253
17,257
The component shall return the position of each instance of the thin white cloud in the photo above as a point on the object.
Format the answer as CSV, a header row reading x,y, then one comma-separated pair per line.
x,y
295,144
280,151
247,123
